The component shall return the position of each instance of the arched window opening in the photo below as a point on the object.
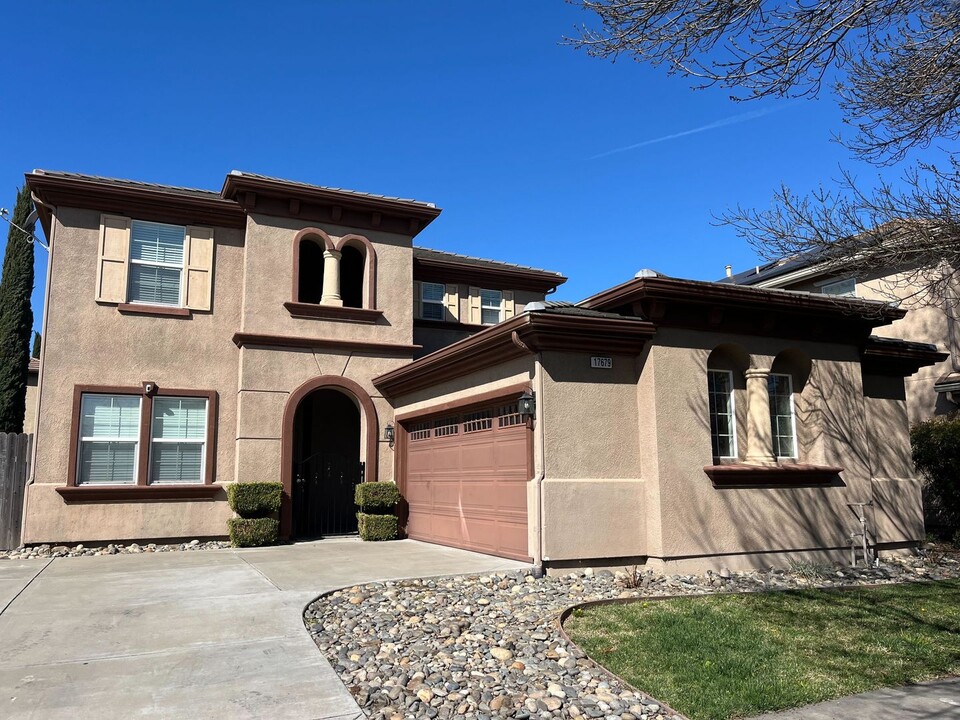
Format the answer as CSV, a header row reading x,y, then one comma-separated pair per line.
x,y
352,261
725,368
310,270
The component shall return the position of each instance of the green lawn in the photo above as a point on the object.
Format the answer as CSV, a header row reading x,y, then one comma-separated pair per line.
x,y
732,656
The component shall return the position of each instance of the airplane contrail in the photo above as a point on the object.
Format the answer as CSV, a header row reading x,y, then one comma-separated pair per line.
x,y
732,120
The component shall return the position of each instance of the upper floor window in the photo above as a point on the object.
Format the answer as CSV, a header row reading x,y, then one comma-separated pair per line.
x,y
723,421
491,307
782,415
432,303
841,288
333,274
156,263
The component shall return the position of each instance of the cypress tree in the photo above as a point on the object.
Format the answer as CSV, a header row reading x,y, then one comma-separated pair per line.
x,y
35,353
16,317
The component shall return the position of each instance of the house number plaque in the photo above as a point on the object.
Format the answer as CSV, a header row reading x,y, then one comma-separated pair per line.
x,y
605,363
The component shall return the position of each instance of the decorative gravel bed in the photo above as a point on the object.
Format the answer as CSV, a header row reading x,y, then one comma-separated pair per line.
x,y
57,551
490,646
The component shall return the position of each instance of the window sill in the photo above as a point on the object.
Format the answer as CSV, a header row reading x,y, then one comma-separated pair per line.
x,y
332,312
158,310
136,493
787,474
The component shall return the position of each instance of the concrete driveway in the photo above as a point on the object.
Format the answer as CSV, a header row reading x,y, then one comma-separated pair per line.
x,y
209,634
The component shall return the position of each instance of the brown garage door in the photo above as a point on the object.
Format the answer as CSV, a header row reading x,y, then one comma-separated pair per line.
x,y
466,480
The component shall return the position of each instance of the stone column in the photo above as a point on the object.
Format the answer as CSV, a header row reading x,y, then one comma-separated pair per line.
x,y
759,432
331,279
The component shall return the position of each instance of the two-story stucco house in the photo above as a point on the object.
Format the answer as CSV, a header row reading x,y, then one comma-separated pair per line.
x,y
278,331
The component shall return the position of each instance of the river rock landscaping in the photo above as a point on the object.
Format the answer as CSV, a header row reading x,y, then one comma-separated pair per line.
x,y
490,646
57,551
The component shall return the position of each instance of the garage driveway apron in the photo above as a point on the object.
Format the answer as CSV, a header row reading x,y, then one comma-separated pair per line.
x,y
207,634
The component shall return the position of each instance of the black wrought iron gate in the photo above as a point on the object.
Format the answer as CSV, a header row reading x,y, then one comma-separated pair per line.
x,y
323,495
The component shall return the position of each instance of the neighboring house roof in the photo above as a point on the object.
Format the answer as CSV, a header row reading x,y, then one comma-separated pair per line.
x,y
948,383
775,269
33,367
440,265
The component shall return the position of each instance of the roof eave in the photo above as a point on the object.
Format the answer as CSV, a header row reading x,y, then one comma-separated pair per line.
x,y
522,335
515,278
145,202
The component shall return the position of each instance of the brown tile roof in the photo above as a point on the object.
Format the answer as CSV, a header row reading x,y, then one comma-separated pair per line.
x,y
139,184
422,253
345,191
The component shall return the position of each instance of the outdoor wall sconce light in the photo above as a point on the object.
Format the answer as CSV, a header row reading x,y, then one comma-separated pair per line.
x,y
527,404
388,434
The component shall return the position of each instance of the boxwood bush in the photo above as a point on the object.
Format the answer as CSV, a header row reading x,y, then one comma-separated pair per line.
x,y
936,453
253,532
254,499
377,496
377,527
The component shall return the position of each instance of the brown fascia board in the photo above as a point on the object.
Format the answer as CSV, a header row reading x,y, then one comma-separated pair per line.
x,y
522,335
140,202
481,276
327,205
888,356
870,312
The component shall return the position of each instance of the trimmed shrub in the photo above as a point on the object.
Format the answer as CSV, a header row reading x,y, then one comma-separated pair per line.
x,y
377,527
936,453
377,496
254,499
253,532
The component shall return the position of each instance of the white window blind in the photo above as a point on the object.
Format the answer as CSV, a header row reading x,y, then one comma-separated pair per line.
x,y
179,434
431,297
491,306
109,439
156,263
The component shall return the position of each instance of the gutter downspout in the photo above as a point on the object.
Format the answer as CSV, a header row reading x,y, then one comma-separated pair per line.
x,y
539,445
539,460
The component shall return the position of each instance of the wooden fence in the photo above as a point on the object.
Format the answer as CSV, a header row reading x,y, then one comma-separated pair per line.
x,y
14,471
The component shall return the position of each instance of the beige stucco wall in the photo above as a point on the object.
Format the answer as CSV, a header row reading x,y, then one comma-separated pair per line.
x,y
268,376
697,519
268,283
30,404
90,343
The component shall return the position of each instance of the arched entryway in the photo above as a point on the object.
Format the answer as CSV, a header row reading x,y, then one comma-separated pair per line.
x,y
326,464
329,445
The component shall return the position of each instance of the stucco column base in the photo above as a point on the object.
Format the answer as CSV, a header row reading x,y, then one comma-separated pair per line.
x,y
331,279
759,432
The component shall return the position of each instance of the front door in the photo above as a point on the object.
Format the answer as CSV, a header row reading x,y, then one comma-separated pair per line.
x,y
327,466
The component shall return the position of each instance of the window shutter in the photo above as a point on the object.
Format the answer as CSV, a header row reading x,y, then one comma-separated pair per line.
x,y
508,308
199,268
475,316
417,304
112,253
451,299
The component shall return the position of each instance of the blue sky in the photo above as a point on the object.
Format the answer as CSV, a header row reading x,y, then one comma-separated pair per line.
x,y
537,153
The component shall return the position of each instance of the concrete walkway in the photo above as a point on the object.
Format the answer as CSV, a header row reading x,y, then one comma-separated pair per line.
x,y
210,634
938,700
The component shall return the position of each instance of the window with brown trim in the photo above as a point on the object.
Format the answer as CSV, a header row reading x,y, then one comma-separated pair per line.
x,y
125,436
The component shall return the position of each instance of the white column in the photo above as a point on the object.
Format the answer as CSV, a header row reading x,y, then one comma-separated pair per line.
x,y
331,279
759,432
